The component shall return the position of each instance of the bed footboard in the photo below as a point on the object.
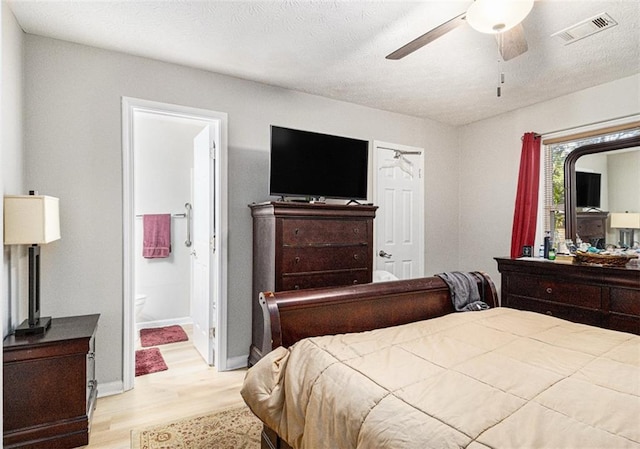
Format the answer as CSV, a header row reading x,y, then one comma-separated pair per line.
x,y
293,315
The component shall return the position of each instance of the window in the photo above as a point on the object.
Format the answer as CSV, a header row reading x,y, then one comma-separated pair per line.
x,y
554,156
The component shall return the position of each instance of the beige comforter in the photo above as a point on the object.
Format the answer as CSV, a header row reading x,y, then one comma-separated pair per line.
x,y
499,378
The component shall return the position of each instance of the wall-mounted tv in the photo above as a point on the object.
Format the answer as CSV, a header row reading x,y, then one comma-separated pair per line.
x,y
313,165
588,189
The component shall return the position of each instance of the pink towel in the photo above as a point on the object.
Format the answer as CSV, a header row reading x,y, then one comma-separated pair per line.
x,y
156,242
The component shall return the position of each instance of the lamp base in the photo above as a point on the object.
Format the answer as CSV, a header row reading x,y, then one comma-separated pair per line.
x,y
41,326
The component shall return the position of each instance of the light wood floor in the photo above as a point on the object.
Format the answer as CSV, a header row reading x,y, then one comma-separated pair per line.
x,y
188,388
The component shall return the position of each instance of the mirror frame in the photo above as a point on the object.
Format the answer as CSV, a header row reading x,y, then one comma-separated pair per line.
x,y
570,215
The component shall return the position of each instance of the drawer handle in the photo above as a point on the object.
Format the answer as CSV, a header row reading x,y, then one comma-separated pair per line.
x,y
356,230
355,256
549,312
355,281
296,231
296,287
297,259
549,290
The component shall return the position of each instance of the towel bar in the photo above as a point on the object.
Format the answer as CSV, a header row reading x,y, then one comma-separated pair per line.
x,y
183,215
186,215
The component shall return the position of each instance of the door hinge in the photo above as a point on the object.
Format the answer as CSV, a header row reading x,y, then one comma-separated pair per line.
x,y
212,332
212,244
212,150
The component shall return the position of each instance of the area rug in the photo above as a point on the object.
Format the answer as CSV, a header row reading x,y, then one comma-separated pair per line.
x,y
235,428
162,335
149,361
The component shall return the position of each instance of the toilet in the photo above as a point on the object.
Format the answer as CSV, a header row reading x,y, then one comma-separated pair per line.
x,y
140,300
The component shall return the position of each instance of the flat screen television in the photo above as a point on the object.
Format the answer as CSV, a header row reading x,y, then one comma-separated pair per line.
x,y
313,165
588,189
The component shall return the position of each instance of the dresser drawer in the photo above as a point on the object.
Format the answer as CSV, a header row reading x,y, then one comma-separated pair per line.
x,y
602,296
309,232
324,279
565,312
591,227
296,260
624,323
539,287
624,300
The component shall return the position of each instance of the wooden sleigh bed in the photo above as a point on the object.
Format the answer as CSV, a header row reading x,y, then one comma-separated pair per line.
x,y
392,365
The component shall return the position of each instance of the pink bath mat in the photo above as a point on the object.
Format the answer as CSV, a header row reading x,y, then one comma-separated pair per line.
x,y
162,335
149,361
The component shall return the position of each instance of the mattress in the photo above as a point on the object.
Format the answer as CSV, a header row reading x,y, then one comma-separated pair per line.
x,y
498,378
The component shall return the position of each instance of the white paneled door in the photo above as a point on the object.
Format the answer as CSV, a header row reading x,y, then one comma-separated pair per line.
x,y
399,195
202,310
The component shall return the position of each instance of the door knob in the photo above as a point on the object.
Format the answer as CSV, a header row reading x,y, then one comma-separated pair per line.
x,y
384,254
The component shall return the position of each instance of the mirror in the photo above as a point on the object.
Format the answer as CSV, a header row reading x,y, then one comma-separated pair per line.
x,y
620,188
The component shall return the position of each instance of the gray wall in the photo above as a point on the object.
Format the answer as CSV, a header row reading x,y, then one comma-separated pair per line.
x,y
11,163
73,149
72,141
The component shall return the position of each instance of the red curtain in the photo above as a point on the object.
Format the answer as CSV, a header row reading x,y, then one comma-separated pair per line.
x,y
526,209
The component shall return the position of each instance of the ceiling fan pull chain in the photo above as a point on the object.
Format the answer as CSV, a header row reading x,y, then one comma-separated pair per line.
x,y
500,65
500,80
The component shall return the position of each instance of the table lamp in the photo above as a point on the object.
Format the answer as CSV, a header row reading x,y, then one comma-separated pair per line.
x,y
32,220
626,222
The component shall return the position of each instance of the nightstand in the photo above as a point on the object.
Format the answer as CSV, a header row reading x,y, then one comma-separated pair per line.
x,y
49,385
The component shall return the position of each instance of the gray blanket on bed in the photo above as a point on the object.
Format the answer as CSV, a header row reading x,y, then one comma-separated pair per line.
x,y
464,291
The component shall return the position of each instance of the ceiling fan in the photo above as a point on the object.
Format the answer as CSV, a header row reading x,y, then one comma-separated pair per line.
x,y
500,17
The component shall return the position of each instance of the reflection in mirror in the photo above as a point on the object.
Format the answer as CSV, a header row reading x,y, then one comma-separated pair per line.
x,y
607,183
618,164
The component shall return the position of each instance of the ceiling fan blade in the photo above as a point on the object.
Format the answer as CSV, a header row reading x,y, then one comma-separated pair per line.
x,y
427,37
512,42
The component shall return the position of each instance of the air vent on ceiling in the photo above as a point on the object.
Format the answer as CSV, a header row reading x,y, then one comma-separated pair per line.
x,y
585,28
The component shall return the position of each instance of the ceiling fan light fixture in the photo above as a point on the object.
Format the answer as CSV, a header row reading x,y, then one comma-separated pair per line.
x,y
497,16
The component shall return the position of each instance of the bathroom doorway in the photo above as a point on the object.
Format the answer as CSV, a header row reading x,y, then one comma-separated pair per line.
x,y
175,166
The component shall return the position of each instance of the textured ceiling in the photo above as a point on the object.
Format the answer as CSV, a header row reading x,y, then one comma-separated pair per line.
x,y
337,49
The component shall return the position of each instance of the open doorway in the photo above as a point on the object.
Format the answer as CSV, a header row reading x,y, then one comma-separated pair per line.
x,y
174,161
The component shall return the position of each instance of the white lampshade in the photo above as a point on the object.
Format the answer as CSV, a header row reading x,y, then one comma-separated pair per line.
x,y
496,16
31,219
625,221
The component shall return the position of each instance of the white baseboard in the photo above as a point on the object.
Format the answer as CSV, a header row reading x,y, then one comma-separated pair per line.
x,y
162,323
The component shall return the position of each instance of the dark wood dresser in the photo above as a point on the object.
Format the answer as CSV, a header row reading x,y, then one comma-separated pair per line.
x,y
592,227
302,245
589,294
49,385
